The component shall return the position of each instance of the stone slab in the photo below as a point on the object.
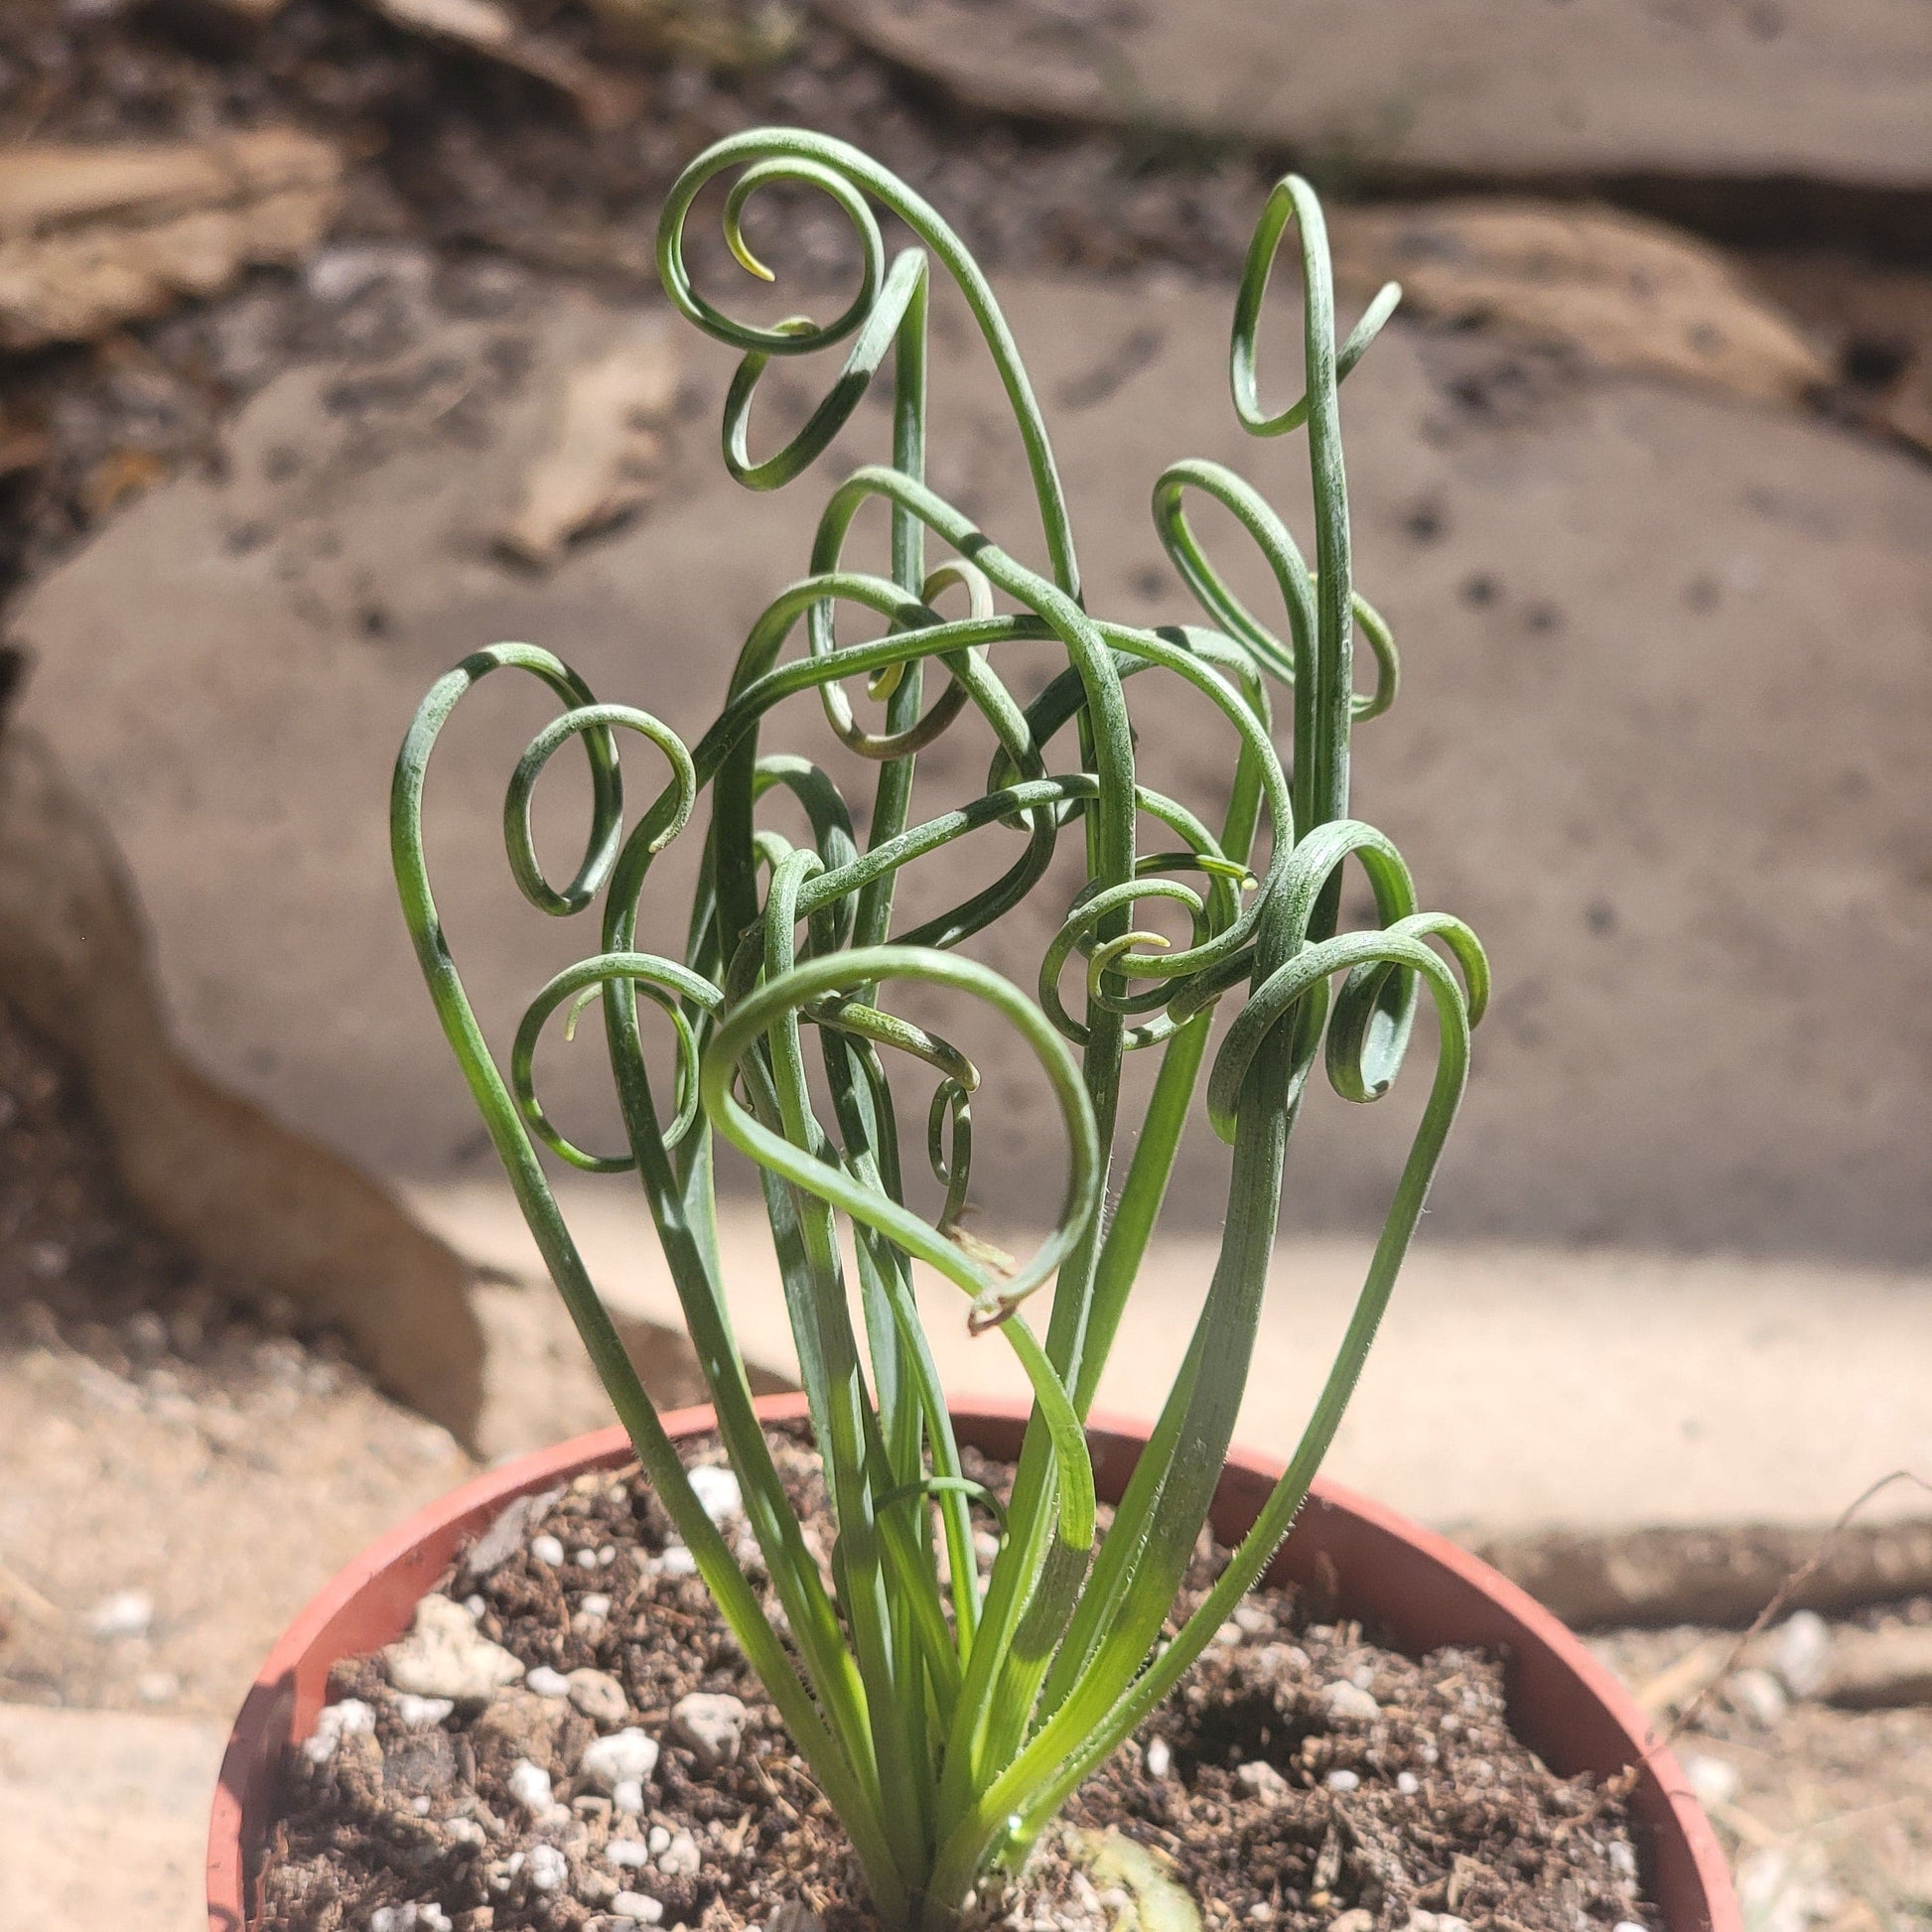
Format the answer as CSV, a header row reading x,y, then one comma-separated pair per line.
x,y
1661,741
1826,90
1511,1389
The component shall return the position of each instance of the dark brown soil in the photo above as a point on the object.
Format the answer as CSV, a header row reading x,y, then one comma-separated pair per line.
x,y
1279,1794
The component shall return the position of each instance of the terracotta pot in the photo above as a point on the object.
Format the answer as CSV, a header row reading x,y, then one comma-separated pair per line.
x,y
1415,1587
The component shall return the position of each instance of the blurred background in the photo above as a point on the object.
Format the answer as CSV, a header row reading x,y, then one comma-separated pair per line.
x,y
331,347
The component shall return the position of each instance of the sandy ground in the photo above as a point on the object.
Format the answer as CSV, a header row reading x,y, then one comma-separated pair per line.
x,y
160,1526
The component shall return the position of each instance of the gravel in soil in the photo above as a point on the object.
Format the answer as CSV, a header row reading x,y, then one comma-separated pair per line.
x,y
636,1772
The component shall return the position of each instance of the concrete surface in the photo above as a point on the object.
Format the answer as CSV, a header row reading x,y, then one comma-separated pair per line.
x,y
1510,1388
1661,741
103,1819
1825,89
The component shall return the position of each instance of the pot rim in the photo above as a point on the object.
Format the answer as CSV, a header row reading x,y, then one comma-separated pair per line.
x,y
281,1702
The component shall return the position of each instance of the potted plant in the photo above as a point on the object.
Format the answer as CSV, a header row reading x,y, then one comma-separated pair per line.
x,y
954,1648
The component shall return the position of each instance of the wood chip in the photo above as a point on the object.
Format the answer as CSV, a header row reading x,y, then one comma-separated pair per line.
x,y
487,28
122,473
604,458
1605,1579
92,238
1622,292
21,447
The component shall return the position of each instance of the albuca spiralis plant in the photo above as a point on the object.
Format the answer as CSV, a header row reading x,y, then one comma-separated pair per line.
x,y
948,1715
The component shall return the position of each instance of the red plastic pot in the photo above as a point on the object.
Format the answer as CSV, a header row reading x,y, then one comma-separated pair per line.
x,y
1419,1589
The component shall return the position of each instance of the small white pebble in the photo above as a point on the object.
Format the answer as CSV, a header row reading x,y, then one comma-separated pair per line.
x,y
679,1859
676,1561
657,1839
145,1331
1352,1704
465,1831
1159,1757
351,1717
628,1854
712,1725
1229,1634
420,1714
1406,1783
1283,1659
1714,1779
1343,1780
531,1787
1260,1912
420,1806
718,1493
1628,1925
433,1918
587,1559
385,1918
546,1549
547,1683
46,1259
606,1556
637,1905
1801,1652
626,1756
628,1796
124,1613
594,1603
475,1603
598,1697
1758,1696
1623,1862
548,1867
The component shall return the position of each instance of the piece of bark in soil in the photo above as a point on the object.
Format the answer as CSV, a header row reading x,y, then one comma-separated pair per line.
x,y
92,238
1396,1786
